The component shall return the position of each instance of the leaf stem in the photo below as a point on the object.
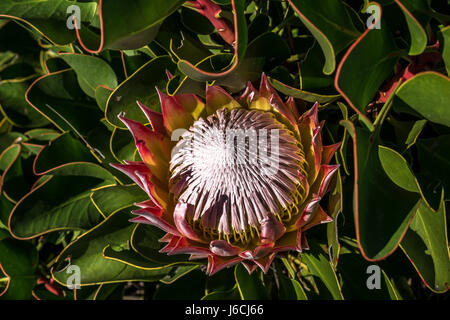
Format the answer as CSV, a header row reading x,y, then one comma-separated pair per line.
x,y
386,107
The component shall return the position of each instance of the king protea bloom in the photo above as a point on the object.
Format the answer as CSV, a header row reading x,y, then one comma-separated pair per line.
x,y
233,181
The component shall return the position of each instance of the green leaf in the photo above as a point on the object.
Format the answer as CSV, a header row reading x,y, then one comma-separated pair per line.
x,y
30,149
428,93
302,94
140,86
322,270
445,45
42,134
134,259
46,9
86,253
145,241
131,25
418,36
91,72
365,66
414,133
114,198
397,169
426,245
178,272
382,209
220,281
290,289
60,99
250,286
7,158
18,261
331,25
101,96
122,145
47,17
16,108
62,150
12,181
334,209
52,206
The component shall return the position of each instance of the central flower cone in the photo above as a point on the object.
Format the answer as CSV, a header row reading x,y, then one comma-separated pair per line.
x,y
235,170
231,180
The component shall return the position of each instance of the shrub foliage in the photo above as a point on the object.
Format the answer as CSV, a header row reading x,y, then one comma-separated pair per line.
x,y
379,71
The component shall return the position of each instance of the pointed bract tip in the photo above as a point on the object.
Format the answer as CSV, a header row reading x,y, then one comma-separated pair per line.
x,y
140,104
160,93
121,115
313,113
169,74
249,93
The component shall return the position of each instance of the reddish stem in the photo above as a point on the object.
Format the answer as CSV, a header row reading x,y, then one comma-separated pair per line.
x,y
425,61
50,285
212,12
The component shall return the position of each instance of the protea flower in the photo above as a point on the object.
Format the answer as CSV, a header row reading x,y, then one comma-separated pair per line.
x,y
226,201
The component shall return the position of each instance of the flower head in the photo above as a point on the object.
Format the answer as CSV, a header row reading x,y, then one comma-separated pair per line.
x,y
233,181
